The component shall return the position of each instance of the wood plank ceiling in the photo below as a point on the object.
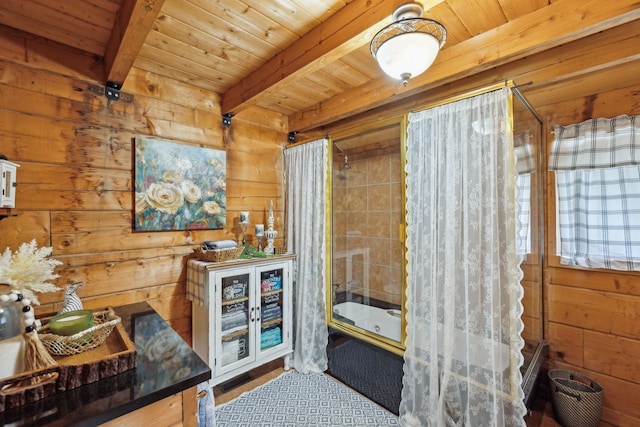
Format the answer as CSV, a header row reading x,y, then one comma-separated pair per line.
x,y
309,59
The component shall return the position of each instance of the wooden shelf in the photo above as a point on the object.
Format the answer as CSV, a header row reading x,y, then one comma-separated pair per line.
x,y
227,337
235,300
271,322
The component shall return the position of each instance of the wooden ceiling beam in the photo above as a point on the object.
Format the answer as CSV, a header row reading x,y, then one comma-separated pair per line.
x,y
546,77
554,25
345,31
133,23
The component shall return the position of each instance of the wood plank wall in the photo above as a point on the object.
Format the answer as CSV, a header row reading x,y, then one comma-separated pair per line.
x,y
75,180
592,317
74,148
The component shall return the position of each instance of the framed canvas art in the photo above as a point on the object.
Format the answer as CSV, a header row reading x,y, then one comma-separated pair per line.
x,y
178,186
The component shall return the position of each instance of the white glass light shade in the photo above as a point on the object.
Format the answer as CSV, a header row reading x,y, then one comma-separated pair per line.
x,y
406,48
407,55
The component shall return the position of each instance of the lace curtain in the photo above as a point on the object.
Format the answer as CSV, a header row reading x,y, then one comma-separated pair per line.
x,y
463,348
306,182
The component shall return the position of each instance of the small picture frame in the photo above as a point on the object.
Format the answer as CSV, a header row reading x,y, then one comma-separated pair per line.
x,y
244,217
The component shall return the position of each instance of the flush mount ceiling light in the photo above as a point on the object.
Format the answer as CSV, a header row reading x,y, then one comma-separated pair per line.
x,y
408,46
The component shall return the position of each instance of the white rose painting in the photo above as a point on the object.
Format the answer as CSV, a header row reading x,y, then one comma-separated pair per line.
x,y
179,186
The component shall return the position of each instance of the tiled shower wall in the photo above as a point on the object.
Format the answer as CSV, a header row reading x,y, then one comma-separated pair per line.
x,y
367,212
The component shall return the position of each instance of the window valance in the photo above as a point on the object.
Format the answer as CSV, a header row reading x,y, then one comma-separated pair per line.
x,y
596,143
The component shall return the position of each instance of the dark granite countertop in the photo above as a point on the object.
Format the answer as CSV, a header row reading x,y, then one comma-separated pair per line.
x,y
165,365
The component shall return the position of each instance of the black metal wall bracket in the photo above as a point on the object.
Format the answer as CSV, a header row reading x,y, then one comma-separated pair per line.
x,y
292,136
112,90
226,119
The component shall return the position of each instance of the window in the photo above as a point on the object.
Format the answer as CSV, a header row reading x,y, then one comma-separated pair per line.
x,y
525,165
597,165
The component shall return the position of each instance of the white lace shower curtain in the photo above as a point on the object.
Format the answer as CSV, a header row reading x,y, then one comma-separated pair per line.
x,y
306,185
463,348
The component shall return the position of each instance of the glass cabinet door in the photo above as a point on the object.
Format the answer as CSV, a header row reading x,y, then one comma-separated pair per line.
x,y
235,320
271,308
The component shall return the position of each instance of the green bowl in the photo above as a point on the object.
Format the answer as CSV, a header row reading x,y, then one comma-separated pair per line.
x,y
71,322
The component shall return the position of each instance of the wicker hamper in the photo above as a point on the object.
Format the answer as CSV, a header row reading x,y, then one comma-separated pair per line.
x,y
576,399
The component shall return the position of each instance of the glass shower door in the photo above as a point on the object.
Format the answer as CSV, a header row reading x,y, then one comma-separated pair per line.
x,y
367,274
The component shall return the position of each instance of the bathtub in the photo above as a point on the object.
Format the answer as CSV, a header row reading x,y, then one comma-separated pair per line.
x,y
381,321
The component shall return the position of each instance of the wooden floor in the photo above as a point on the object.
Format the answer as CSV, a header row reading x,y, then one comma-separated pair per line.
x,y
258,377
541,416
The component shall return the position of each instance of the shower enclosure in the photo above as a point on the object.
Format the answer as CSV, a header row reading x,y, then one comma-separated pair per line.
x,y
367,285
367,289
366,307
527,130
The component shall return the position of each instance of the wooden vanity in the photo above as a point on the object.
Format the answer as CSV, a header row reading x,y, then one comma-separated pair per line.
x,y
160,390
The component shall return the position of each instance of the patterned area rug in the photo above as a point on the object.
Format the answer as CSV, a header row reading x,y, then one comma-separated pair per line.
x,y
294,399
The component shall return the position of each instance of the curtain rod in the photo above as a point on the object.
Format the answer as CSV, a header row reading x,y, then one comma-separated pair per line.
x,y
474,92
465,95
525,102
306,141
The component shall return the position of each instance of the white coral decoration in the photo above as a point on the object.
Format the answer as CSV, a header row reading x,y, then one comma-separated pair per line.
x,y
28,269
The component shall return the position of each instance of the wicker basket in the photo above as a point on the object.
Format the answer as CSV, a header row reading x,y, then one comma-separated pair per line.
x,y
576,399
58,345
219,255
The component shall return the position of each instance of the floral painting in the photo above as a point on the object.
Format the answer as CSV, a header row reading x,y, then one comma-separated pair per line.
x,y
179,186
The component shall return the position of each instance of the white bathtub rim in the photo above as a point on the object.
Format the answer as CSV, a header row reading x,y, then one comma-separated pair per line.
x,y
364,316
